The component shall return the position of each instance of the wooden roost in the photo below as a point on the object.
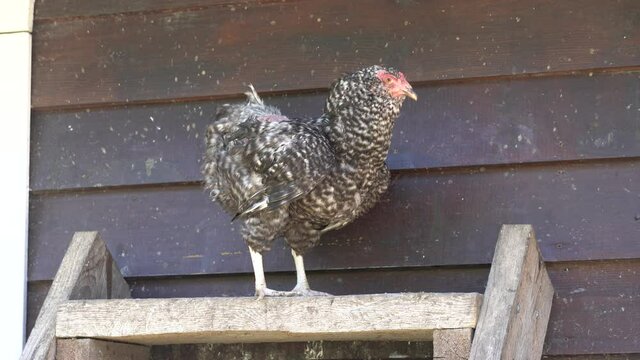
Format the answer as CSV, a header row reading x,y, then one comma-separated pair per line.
x,y
88,313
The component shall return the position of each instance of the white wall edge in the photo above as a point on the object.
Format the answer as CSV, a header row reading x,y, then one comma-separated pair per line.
x,y
16,23
16,16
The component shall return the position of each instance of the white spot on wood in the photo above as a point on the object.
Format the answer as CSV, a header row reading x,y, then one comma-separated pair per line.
x,y
149,164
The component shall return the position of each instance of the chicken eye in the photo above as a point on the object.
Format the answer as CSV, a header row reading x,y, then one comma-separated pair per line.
x,y
388,80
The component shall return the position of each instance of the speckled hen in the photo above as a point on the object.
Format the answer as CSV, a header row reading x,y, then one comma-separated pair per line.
x,y
297,178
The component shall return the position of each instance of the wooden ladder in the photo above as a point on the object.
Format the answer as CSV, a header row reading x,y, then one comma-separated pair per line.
x,y
88,313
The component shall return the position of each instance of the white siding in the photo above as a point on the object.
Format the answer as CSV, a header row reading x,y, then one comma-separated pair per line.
x,y
16,16
15,110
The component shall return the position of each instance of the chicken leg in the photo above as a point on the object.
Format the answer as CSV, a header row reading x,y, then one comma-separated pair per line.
x,y
302,285
261,283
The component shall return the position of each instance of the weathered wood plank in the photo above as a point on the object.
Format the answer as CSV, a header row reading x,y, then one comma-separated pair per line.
x,y
86,272
427,218
315,350
441,279
211,51
84,349
594,310
514,317
411,316
487,122
452,344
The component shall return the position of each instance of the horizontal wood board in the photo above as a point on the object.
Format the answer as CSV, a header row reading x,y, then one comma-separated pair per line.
x,y
338,350
370,317
595,308
330,350
580,212
57,9
327,350
456,124
215,51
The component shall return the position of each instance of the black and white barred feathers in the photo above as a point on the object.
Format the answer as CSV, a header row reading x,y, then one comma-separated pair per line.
x,y
298,178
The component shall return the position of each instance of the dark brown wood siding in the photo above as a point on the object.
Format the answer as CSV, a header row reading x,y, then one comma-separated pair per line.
x,y
529,112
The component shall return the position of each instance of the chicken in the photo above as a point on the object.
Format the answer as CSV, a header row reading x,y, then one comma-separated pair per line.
x,y
299,178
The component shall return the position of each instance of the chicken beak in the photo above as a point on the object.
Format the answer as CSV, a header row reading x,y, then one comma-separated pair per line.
x,y
408,91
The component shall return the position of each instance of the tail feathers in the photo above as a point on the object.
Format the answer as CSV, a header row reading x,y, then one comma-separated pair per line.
x,y
227,110
252,95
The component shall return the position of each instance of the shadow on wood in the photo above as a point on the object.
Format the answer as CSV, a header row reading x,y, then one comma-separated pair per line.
x,y
85,349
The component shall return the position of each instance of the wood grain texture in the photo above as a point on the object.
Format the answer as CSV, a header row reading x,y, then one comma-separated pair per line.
x,y
582,211
452,344
410,316
594,311
86,272
56,9
296,351
515,314
485,122
315,350
84,349
216,51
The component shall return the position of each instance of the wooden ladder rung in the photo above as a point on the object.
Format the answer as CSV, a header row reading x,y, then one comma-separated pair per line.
x,y
510,321
409,316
